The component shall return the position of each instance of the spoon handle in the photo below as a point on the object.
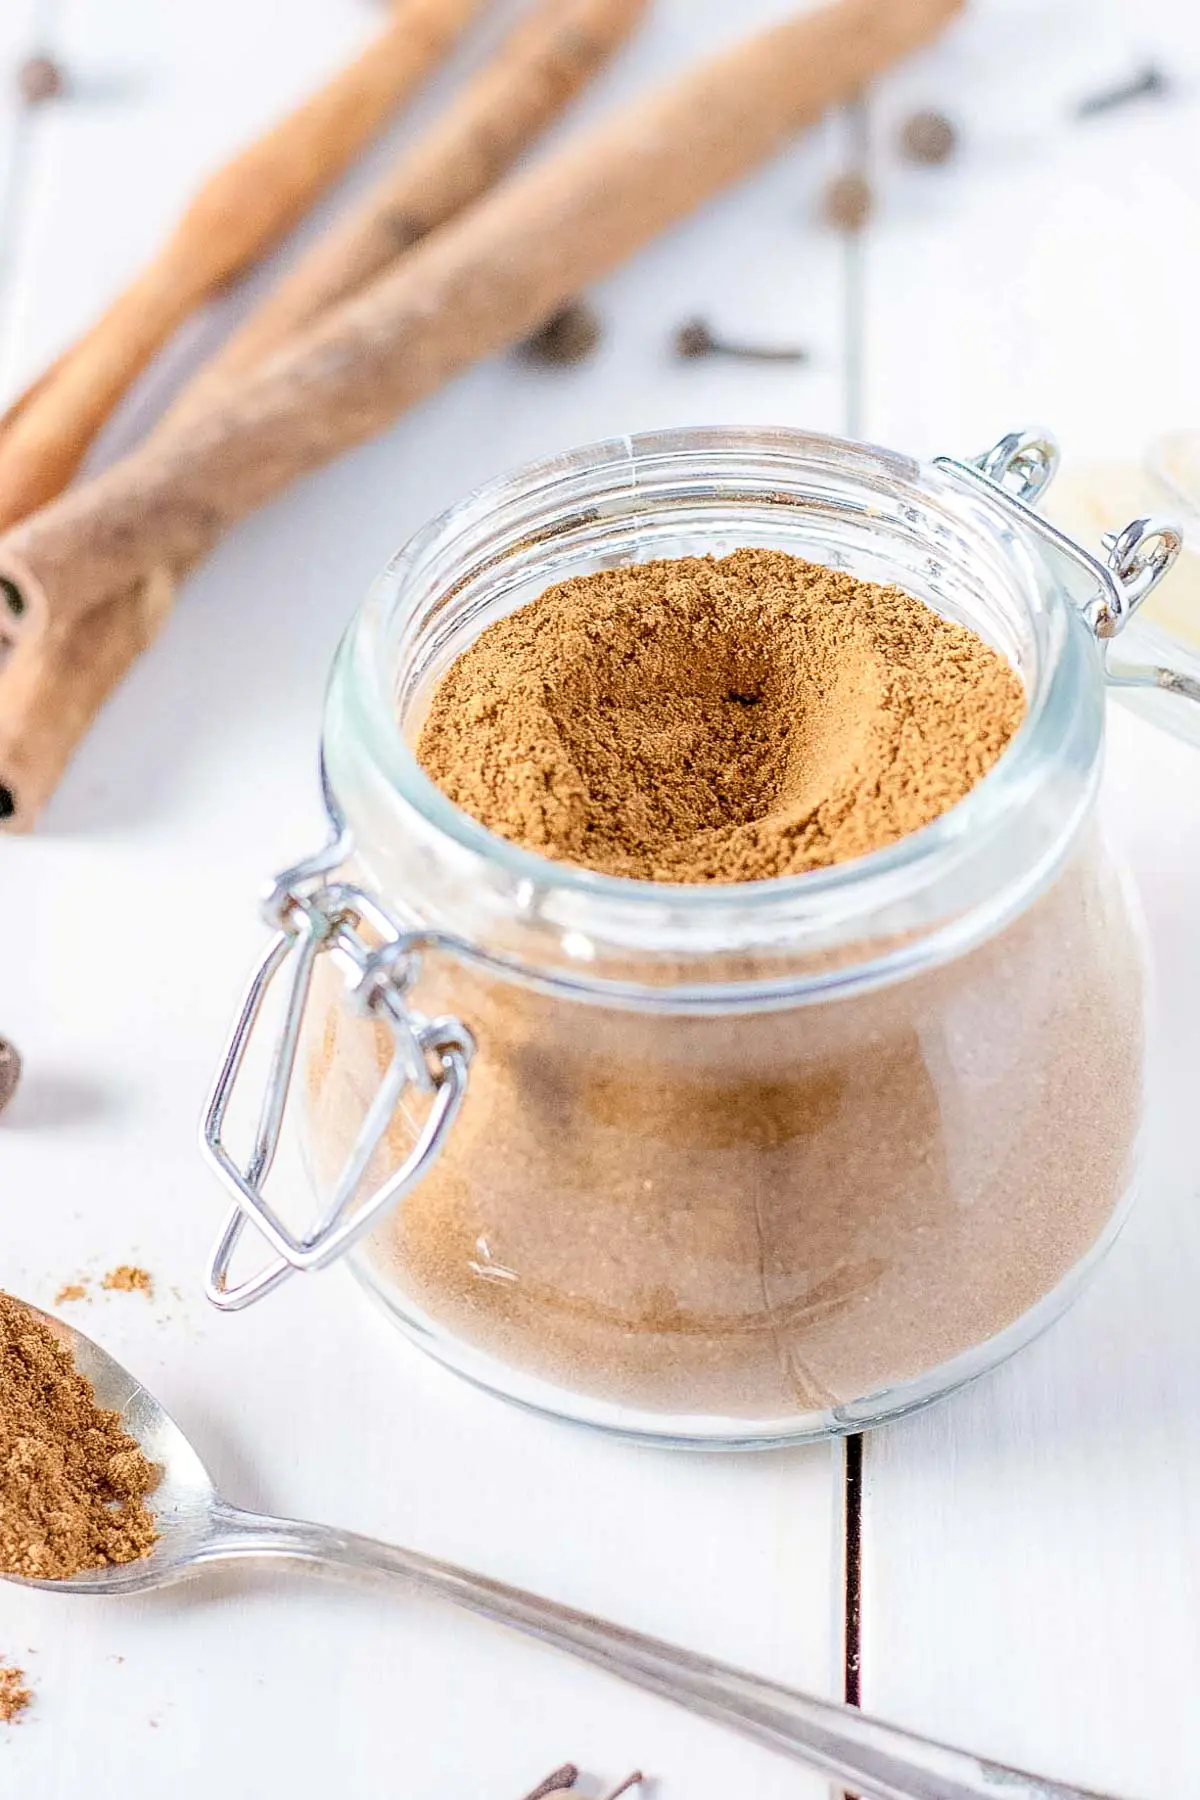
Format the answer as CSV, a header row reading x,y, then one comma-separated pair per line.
x,y
880,1762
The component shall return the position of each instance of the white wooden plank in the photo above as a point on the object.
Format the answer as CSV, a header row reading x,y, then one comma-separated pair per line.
x,y
19,33
1049,272
1029,1567
129,923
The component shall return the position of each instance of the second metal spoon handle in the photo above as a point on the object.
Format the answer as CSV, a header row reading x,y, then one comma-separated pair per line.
x,y
879,1761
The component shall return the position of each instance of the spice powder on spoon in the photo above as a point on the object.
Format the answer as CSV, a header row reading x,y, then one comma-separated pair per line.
x,y
73,1483
754,1212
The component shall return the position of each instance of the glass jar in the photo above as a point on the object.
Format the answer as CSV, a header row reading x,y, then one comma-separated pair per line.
x,y
717,1165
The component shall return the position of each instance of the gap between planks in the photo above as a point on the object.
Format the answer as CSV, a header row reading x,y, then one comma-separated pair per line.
x,y
854,278
853,364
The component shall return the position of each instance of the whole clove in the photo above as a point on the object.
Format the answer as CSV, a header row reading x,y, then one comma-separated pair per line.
x,y
564,1779
696,339
570,336
847,202
40,78
10,1071
1149,82
558,1782
928,137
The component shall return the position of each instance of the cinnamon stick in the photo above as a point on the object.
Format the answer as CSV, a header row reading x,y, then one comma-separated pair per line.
x,y
55,681
481,282
239,214
551,55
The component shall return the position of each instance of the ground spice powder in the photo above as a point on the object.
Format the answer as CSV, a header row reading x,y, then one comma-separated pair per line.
x,y
15,1697
72,1481
126,1278
702,720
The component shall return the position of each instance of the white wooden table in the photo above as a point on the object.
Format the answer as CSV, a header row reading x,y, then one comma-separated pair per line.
x,y
1029,1550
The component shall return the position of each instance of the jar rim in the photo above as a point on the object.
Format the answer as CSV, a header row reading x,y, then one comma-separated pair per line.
x,y
1066,671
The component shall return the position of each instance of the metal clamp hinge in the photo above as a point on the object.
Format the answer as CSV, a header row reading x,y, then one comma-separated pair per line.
x,y
1019,468
312,916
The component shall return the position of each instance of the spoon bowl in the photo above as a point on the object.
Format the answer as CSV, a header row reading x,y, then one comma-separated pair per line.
x,y
196,1527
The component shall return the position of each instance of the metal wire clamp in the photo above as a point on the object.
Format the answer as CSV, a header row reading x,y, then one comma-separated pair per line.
x,y
312,914
1017,469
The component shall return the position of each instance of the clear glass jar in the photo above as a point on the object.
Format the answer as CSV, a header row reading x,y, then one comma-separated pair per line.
x,y
738,1165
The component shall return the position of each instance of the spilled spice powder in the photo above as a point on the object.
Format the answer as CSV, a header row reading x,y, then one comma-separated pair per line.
x,y
70,1292
15,1697
127,1279
72,1481
718,721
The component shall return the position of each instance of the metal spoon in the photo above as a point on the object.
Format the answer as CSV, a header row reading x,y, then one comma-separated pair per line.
x,y
197,1528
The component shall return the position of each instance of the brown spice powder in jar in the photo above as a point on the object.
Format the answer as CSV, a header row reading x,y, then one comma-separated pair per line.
x,y
718,721
751,1214
72,1481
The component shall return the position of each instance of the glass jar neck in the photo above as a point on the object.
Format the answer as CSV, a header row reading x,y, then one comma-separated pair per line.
x,y
922,900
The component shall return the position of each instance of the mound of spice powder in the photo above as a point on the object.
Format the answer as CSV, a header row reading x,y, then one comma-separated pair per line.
x,y
701,720
72,1481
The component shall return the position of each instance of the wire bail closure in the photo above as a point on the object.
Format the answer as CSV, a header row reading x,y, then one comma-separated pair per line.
x,y
1023,463
312,916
